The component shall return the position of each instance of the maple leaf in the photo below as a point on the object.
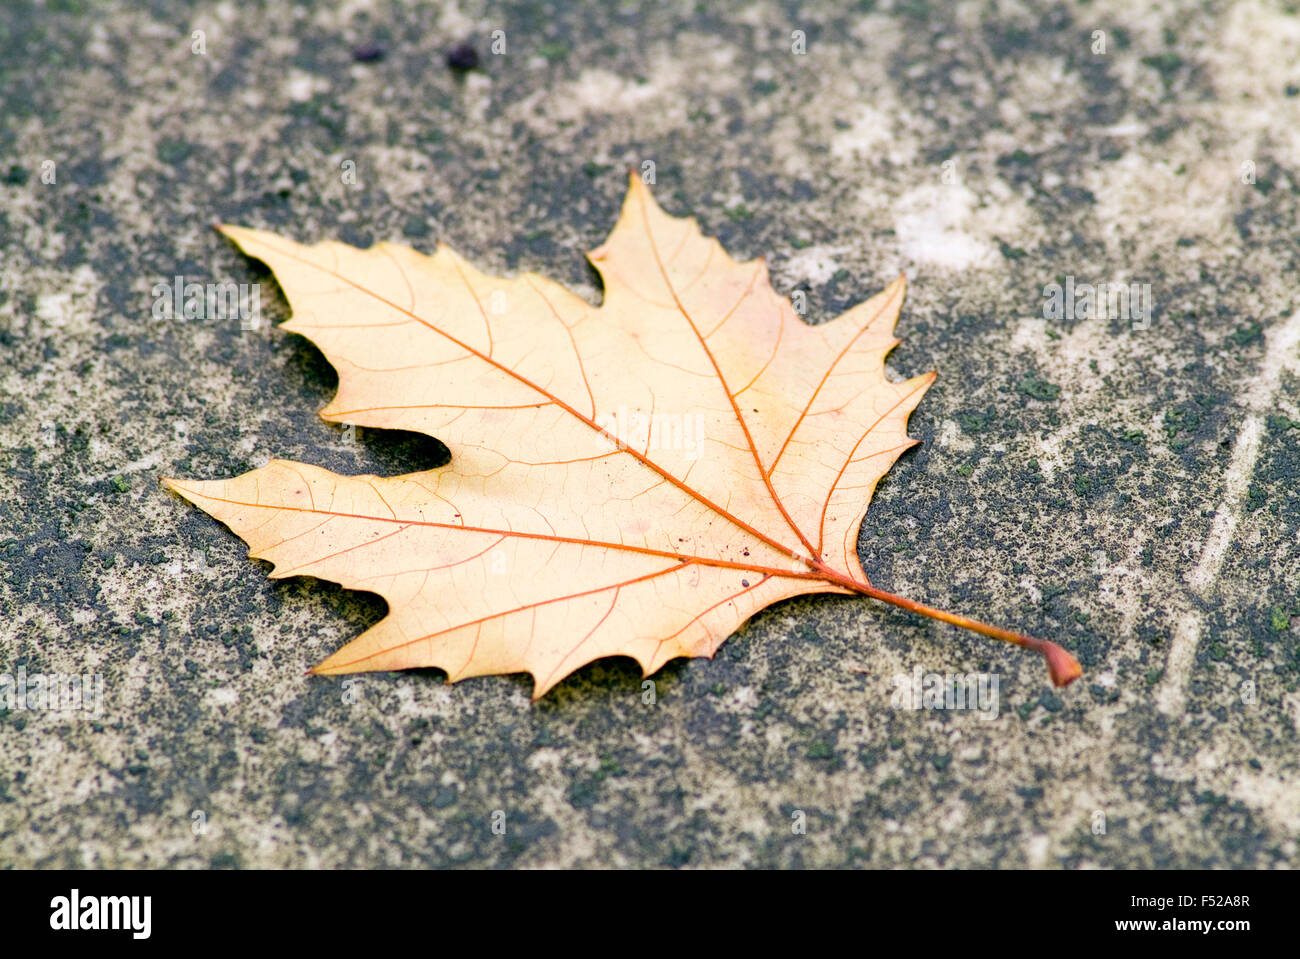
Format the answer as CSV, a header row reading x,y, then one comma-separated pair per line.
x,y
634,479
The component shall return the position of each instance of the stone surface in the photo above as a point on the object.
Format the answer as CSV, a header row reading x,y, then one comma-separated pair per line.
x,y
1128,491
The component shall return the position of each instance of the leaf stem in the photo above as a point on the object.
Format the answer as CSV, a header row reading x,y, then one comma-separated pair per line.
x,y
1064,668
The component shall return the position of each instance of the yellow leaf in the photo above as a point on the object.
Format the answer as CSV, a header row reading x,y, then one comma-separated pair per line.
x,y
636,479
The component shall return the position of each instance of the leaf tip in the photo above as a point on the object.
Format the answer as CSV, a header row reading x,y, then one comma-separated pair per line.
x,y
323,668
636,183
235,233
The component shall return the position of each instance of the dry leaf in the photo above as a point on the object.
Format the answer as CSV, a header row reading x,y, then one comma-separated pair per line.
x,y
636,479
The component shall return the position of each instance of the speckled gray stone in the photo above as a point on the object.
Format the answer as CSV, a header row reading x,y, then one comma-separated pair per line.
x,y
1129,492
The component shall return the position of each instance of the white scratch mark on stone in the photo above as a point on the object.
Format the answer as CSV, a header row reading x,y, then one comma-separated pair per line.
x,y
1280,354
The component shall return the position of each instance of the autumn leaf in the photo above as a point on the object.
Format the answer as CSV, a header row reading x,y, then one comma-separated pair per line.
x,y
634,479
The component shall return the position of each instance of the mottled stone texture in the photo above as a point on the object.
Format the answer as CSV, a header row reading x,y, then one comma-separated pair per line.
x,y
1130,492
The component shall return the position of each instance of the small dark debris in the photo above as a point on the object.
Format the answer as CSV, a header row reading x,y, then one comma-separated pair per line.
x,y
369,53
462,56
